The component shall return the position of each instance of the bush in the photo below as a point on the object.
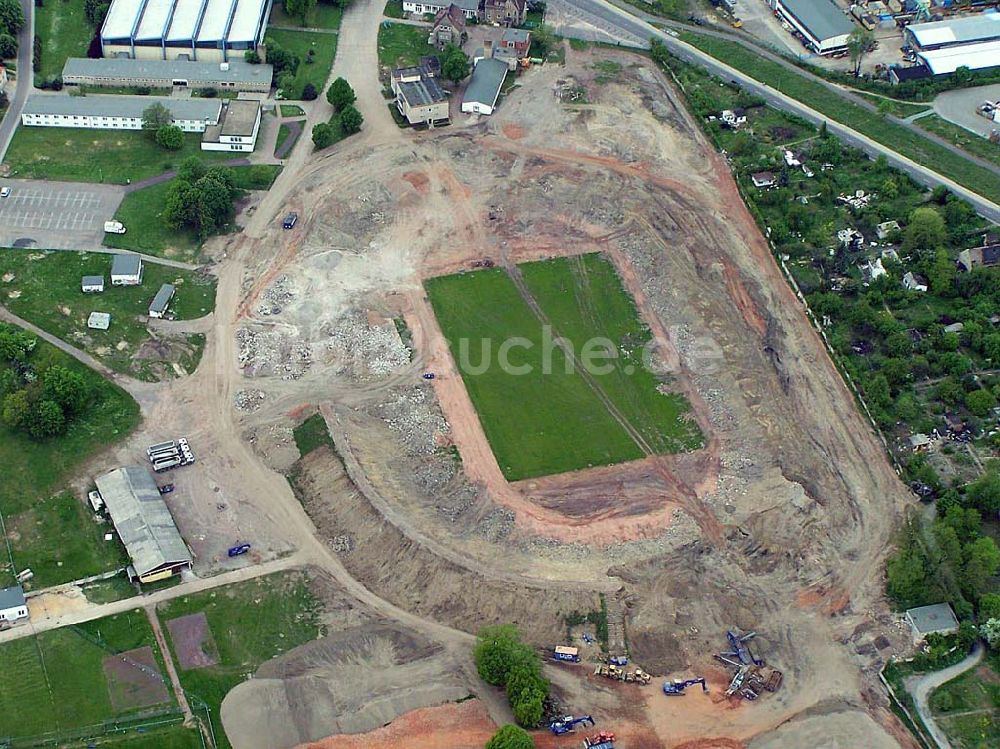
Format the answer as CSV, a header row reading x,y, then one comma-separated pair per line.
x,y
309,92
502,659
170,137
350,119
511,737
323,135
340,94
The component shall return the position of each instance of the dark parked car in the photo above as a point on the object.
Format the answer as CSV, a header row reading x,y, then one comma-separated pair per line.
x,y
166,488
289,220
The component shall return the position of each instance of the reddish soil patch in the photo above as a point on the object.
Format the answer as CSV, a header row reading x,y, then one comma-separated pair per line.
x,y
514,132
418,180
134,680
466,725
193,641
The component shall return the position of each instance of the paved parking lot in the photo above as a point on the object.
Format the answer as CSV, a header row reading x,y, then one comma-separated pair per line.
x,y
56,215
959,106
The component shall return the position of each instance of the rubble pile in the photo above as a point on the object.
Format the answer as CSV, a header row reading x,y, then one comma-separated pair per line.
x,y
269,353
413,414
248,400
364,351
276,297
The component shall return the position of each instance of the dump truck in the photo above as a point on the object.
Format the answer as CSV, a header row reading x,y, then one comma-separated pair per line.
x,y
566,653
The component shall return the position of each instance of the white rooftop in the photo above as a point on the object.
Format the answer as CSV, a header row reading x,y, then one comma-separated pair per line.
x,y
245,20
215,21
154,19
185,21
972,56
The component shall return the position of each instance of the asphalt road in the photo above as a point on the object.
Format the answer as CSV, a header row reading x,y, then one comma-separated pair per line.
x,y
629,28
56,215
25,78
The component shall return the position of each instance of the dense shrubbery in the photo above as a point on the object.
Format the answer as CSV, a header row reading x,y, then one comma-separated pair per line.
x,y
511,737
200,198
502,659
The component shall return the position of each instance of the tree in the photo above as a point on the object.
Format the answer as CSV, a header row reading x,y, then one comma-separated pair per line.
x,y
46,420
528,712
860,42
65,387
15,345
455,64
8,47
181,205
982,560
989,606
170,137
156,116
980,402
498,650
16,407
511,737
309,92
323,135
191,169
991,633
925,230
544,41
283,61
340,94
984,493
215,203
299,9
941,274
251,57
350,120
11,17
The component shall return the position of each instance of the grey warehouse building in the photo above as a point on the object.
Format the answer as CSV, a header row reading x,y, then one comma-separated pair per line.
x,y
203,30
125,71
144,523
823,25
109,112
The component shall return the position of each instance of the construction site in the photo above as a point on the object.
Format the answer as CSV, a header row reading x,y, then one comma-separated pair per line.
x,y
738,578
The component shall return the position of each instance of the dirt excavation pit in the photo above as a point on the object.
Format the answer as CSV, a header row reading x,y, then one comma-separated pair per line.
x,y
349,682
778,524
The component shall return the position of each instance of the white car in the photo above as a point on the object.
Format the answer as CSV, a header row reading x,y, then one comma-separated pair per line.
x,y
4,192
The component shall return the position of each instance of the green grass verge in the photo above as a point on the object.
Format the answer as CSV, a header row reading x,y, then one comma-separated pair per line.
x,y
65,32
255,176
59,540
176,737
539,417
393,9
34,470
50,297
250,623
60,675
312,433
283,133
300,42
142,213
108,591
292,110
120,90
321,16
838,109
401,44
975,144
116,157
892,106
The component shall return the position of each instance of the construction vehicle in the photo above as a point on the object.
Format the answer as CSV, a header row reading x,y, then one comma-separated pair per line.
x,y
568,724
741,650
618,660
602,740
737,23
566,653
677,686
238,550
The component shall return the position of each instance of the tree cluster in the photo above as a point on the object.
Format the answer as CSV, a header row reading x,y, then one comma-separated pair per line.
x,y
299,9
455,64
43,403
502,659
11,22
511,737
199,198
96,11
346,120
285,64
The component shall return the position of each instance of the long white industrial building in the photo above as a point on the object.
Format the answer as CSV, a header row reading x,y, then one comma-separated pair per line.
x,y
204,30
945,46
823,25
111,112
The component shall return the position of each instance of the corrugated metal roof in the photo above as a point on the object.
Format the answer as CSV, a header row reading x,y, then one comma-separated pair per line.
x,y
822,18
216,21
974,28
187,14
189,70
246,20
487,78
972,56
154,19
121,18
110,105
142,519
162,298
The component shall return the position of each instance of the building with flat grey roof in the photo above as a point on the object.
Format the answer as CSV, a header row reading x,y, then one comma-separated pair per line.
x,y
937,618
419,97
125,71
144,523
237,128
484,87
92,284
158,307
126,270
12,604
203,30
110,112
824,26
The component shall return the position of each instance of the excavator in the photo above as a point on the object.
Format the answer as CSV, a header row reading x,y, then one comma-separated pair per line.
x,y
568,724
677,687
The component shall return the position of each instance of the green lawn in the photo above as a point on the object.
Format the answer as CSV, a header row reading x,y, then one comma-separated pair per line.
x,y
550,420
283,133
292,110
120,90
65,32
255,177
175,737
393,9
46,289
322,16
60,153
312,433
837,108
892,106
59,540
250,623
968,708
142,213
400,45
34,470
61,683
300,42
977,145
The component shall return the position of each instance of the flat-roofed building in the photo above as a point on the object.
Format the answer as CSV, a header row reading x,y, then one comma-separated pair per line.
x,y
203,30
469,8
971,41
110,112
823,25
237,130
126,71
144,524
419,97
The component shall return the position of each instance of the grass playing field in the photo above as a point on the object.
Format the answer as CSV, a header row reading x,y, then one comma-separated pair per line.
x,y
553,418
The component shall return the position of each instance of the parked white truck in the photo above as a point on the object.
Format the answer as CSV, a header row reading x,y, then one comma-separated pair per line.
x,y
114,227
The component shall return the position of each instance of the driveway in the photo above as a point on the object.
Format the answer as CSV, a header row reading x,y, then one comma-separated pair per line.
x,y
56,215
959,106
920,687
25,79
